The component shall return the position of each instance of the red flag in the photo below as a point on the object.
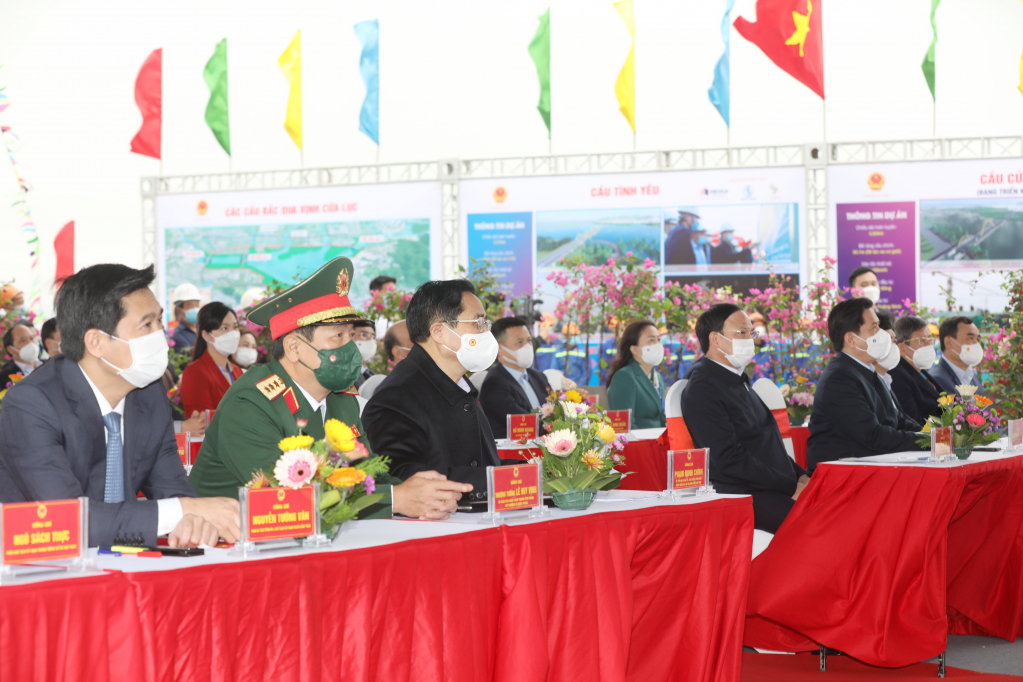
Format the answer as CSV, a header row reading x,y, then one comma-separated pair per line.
x,y
64,245
149,98
789,33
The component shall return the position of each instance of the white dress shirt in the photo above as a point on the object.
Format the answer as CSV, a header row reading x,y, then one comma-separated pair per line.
x,y
25,368
168,512
319,406
736,372
522,379
862,364
965,376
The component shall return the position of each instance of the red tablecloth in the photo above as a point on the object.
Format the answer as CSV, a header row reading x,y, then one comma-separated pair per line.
x,y
651,594
647,460
799,434
881,562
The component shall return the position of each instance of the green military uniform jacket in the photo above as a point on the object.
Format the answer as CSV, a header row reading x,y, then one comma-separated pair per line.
x,y
632,389
243,435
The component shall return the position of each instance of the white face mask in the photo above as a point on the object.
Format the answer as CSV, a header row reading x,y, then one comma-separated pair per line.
x,y
477,352
872,293
29,353
148,359
971,353
367,349
878,345
227,343
653,354
742,352
245,357
521,358
890,361
923,358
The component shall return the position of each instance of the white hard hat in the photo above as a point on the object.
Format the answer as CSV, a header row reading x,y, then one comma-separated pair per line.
x,y
185,292
251,296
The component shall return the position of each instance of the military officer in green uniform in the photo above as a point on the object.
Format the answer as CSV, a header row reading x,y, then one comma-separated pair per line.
x,y
314,364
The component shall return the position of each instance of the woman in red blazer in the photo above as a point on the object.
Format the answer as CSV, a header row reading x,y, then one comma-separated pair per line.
x,y
207,378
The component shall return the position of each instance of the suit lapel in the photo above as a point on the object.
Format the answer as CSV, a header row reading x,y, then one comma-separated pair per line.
x,y
644,381
538,388
314,427
78,391
133,440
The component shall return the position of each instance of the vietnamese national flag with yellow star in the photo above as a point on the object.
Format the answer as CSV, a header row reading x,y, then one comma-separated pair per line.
x,y
789,33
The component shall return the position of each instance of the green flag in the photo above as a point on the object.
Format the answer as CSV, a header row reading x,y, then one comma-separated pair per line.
x,y
928,65
540,51
216,111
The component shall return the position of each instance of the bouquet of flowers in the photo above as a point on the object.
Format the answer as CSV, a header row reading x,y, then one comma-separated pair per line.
x,y
339,464
799,399
580,448
972,422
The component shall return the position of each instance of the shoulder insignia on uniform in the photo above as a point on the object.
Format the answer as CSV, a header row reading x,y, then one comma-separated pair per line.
x,y
291,400
355,432
272,386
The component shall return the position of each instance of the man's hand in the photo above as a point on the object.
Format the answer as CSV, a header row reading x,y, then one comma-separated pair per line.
x,y
193,531
223,512
196,424
427,496
803,481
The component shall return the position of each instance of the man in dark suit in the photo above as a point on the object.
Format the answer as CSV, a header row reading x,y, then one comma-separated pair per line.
x,y
853,413
678,248
22,348
95,421
726,252
747,455
512,386
425,415
913,386
961,352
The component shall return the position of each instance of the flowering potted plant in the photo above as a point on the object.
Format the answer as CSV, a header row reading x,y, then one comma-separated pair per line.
x,y
339,464
799,399
972,422
580,450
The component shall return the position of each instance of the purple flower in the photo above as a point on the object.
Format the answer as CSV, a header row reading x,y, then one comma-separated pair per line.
x,y
370,485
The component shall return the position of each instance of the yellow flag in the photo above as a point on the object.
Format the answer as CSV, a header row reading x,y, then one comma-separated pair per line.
x,y
625,86
291,66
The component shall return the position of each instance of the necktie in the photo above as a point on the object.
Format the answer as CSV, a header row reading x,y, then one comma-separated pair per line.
x,y
114,490
534,402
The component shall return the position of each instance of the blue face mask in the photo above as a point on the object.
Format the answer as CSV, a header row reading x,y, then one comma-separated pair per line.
x,y
704,240
192,315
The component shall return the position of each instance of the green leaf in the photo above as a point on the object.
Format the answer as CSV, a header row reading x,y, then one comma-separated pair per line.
x,y
366,501
557,485
606,483
584,480
329,499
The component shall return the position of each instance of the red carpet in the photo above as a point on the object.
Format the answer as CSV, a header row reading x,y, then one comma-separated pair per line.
x,y
806,667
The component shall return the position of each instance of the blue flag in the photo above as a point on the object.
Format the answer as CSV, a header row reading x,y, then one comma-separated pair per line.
x,y
720,91
368,33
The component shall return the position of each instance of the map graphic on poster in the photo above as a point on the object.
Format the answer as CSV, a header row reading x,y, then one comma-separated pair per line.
x,y
970,232
226,243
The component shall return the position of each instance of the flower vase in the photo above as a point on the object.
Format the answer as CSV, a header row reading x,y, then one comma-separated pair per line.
x,y
963,452
573,500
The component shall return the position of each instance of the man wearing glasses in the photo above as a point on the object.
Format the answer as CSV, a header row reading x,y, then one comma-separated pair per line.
x,y
913,386
723,413
426,416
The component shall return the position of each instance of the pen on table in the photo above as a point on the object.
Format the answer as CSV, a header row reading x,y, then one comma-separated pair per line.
x,y
128,550
108,550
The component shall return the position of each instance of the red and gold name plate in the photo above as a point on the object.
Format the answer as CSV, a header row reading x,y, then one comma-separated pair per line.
x,y
276,513
688,469
182,439
620,420
516,487
42,531
941,441
523,427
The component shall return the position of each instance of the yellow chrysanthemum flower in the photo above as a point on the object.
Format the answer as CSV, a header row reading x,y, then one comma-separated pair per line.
x,y
573,397
945,400
346,477
339,436
606,433
981,401
295,443
592,460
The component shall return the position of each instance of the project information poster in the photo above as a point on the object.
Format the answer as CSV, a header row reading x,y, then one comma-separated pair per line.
x,y
505,240
228,242
968,226
882,237
716,228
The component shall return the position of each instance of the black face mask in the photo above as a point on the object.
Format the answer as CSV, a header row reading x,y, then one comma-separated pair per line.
x,y
339,367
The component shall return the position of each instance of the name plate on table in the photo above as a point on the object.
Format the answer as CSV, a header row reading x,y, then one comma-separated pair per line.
x,y
32,532
277,513
621,420
523,427
523,452
688,472
512,490
1015,435
941,444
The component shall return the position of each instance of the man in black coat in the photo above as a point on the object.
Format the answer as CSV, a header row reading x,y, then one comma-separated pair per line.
x,y
747,455
512,386
61,427
726,252
853,413
426,415
22,346
913,386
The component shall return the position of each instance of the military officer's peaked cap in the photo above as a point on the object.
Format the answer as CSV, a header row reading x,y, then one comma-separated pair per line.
x,y
321,298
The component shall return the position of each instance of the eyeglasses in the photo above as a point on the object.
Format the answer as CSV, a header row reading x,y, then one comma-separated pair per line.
x,y
742,334
483,325
920,342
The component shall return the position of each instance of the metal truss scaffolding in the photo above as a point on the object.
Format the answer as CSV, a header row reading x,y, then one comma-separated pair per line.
x,y
814,157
